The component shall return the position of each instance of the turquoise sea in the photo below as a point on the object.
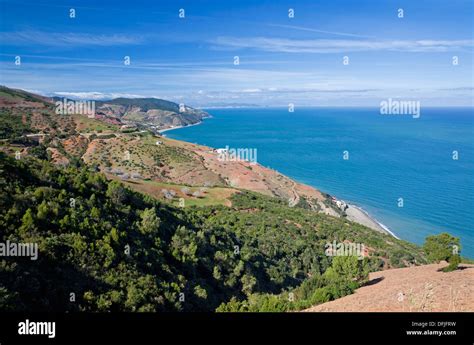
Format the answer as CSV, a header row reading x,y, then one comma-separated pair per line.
x,y
390,157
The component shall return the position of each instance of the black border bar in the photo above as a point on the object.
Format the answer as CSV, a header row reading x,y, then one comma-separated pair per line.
x,y
241,328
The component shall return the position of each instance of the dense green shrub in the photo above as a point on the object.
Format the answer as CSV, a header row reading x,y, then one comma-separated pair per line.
x,y
443,247
118,250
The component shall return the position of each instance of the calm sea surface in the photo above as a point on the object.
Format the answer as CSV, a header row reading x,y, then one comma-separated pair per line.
x,y
390,157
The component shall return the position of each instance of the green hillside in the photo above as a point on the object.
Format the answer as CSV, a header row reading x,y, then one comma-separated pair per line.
x,y
106,247
10,94
118,250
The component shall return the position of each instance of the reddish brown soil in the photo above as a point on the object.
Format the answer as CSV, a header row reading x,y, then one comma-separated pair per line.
x,y
413,289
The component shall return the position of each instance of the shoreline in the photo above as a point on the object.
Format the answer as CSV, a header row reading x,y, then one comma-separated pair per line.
x,y
354,213
380,226
177,127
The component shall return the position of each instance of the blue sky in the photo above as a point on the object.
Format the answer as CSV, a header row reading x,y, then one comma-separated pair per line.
x,y
282,60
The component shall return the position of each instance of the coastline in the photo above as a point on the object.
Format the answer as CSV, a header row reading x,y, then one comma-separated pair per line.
x,y
177,127
361,216
354,212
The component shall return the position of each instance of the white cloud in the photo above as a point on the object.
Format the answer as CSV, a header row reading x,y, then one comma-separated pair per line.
x,y
251,90
94,95
301,28
339,46
66,39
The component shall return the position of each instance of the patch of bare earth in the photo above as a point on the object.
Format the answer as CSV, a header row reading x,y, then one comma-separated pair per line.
x,y
74,145
216,194
57,157
413,289
255,177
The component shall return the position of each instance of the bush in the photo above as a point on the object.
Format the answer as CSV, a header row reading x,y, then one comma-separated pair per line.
x,y
321,295
453,264
348,268
443,247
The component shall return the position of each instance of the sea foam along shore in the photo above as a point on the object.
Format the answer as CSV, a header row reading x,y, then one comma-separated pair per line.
x,y
359,215
176,127
354,213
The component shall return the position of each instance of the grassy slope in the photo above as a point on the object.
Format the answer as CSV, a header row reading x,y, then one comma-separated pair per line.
x,y
192,250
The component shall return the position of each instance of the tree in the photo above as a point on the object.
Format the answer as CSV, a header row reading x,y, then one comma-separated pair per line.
x,y
231,307
43,210
348,268
116,192
27,222
150,222
184,246
454,262
443,247
200,292
248,283
39,152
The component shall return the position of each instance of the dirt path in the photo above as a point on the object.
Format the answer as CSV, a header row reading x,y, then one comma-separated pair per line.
x,y
296,198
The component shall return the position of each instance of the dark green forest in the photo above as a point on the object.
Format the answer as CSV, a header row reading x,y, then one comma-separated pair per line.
x,y
104,247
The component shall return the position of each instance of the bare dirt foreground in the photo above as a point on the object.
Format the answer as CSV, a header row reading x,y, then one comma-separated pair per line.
x,y
413,289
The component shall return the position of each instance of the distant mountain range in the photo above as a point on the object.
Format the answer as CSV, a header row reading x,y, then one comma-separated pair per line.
x,y
155,112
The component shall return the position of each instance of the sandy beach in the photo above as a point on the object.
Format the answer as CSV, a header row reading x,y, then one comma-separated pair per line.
x,y
358,215
176,127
